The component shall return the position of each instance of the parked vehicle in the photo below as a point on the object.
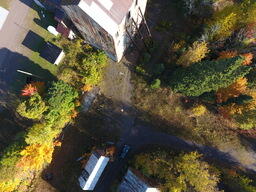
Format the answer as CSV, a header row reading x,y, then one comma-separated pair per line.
x,y
124,151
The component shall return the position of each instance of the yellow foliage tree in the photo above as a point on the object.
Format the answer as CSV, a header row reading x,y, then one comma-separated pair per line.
x,y
35,156
194,54
10,185
234,90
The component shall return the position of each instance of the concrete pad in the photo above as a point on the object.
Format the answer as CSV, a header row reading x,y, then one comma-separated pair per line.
x,y
3,15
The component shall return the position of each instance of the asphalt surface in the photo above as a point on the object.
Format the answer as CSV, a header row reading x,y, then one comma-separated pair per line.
x,y
12,34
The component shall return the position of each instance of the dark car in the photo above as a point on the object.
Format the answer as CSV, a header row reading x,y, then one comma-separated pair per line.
x,y
125,150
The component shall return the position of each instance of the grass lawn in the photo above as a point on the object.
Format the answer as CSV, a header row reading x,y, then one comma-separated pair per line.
x,y
39,26
5,3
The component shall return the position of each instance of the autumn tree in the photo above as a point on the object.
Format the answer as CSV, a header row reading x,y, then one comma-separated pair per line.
x,y
194,54
36,156
207,76
230,54
234,90
179,173
29,90
32,108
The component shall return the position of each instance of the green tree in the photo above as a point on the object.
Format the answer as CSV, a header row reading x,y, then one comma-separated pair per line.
x,y
207,76
41,133
61,100
33,108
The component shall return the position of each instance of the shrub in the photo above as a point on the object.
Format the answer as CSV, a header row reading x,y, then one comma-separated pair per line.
x,y
33,108
155,84
198,110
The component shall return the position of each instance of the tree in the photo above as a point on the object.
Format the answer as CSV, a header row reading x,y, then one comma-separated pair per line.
x,y
194,54
230,54
41,133
36,156
196,172
61,100
207,76
179,173
234,90
32,108
29,90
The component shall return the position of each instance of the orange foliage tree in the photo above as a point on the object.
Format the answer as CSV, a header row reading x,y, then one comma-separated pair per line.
x,y
230,54
234,108
29,90
234,90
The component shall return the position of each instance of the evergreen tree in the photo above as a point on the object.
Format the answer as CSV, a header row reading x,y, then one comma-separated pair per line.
x,y
208,76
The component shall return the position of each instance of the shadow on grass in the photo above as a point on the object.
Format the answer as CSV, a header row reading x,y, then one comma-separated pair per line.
x,y
29,3
11,82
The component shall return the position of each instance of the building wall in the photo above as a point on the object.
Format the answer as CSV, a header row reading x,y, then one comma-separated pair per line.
x,y
105,34
122,40
91,31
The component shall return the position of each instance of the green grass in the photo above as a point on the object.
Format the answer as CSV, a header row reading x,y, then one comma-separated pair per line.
x,y
5,3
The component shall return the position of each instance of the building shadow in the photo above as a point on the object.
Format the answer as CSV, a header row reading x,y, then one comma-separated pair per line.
x,y
33,41
29,3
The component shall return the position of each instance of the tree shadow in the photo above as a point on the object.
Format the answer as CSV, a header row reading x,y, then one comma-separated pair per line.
x,y
11,82
105,118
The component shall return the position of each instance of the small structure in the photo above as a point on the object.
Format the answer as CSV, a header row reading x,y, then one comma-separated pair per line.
x,y
93,170
134,181
109,25
52,53
3,15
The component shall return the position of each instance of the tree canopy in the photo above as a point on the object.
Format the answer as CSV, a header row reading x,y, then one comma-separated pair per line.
x,y
207,76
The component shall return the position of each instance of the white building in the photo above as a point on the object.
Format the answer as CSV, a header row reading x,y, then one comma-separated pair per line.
x,y
106,24
92,171
133,181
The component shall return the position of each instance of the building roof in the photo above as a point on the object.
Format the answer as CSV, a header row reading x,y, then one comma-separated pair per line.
x,y
134,181
116,9
3,15
50,52
93,170
63,30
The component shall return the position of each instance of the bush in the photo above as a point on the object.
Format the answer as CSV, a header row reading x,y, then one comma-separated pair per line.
x,y
198,110
33,108
155,84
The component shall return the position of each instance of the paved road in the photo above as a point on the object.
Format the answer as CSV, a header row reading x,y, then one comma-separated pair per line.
x,y
12,34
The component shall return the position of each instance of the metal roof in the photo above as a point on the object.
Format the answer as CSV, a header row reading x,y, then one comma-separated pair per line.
x,y
117,11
